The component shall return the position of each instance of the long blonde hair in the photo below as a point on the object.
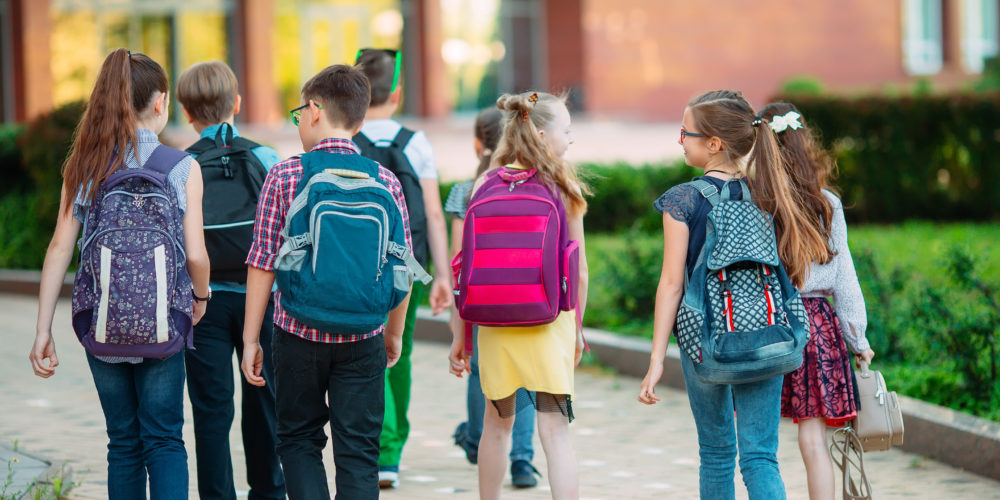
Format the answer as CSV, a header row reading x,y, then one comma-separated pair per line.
x,y
521,143
727,115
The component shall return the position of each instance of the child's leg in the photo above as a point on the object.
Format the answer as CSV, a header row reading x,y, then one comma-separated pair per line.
x,y
553,430
357,404
475,400
115,385
398,379
524,430
301,378
816,456
493,447
159,385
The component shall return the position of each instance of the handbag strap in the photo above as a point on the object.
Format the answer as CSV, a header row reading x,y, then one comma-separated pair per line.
x,y
849,457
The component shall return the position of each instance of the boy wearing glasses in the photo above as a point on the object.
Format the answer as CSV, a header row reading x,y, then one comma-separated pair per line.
x,y
311,366
233,170
409,155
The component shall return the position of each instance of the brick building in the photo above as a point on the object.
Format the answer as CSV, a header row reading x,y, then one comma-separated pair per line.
x,y
621,59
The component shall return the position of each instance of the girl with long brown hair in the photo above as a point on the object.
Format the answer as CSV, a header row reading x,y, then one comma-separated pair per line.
x,y
538,359
821,392
722,134
142,397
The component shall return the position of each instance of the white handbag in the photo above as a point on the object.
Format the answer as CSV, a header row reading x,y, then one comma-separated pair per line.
x,y
879,423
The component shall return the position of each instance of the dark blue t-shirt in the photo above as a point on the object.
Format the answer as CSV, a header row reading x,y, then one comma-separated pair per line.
x,y
684,203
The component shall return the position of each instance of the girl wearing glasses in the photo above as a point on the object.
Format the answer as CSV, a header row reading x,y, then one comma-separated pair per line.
x,y
821,392
720,129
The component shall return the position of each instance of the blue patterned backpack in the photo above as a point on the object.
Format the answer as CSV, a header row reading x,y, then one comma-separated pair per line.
x,y
132,293
740,320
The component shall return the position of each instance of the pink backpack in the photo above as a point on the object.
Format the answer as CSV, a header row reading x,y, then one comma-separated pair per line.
x,y
517,266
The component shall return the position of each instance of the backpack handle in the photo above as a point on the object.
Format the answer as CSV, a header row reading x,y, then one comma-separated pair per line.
x,y
727,193
219,143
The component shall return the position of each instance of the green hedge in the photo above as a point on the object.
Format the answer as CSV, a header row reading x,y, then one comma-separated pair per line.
x,y
926,157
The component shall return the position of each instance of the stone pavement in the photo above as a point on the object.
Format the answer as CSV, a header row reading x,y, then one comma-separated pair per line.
x,y
625,450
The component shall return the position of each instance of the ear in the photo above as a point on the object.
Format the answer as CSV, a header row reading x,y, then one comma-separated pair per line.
x,y
357,129
396,96
714,144
187,115
160,104
315,112
478,145
236,107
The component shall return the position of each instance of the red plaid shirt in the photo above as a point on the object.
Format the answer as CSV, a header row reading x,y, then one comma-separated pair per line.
x,y
275,197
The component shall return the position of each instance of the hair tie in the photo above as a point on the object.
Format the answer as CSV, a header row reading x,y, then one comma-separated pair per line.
x,y
757,120
129,54
533,98
486,152
779,123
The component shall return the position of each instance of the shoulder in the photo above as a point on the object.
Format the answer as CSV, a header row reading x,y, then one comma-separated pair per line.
x,y
287,168
387,177
455,203
420,153
679,201
834,200
267,155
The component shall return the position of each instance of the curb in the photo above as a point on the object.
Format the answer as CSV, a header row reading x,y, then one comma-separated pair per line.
x,y
954,438
27,282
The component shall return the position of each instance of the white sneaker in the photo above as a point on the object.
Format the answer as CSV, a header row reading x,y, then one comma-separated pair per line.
x,y
388,479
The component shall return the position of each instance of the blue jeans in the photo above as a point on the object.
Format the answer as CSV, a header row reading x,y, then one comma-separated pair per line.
x,y
524,420
755,434
144,412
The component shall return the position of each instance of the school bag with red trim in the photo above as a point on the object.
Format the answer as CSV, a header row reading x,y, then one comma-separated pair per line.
x,y
518,266
740,320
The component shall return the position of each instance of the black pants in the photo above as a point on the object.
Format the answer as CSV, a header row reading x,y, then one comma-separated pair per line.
x,y
211,389
351,377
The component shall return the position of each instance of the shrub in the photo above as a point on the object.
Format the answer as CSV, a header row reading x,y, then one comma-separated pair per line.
x,y
14,175
802,85
44,146
929,157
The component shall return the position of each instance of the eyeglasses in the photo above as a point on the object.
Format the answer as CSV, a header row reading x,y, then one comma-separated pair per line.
x,y
296,113
685,133
395,55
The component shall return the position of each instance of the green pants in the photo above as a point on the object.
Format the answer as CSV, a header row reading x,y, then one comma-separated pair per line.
x,y
398,379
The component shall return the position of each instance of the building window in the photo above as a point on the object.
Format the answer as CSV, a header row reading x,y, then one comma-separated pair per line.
x,y
979,40
923,52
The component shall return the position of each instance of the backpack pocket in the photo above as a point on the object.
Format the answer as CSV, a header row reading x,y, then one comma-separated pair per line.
x,y
688,329
755,345
348,250
569,285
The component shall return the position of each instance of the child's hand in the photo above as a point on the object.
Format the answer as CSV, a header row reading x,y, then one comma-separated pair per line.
x,y
458,360
393,349
198,311
441,295
863,359
44,348
647,391
253,362
578,354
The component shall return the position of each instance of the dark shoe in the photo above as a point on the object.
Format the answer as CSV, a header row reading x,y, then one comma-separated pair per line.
x,y
523,474
462,441
388,477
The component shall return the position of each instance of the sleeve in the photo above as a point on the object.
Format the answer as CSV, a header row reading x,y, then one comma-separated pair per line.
x,y
269,157
849,303
268,224
679,201
421,156
396,189
178,178
456,203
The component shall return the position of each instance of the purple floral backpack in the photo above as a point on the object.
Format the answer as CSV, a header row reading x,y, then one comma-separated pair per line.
x,y
132,293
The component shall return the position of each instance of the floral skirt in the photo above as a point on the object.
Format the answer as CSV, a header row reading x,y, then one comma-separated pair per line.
x,y
823,387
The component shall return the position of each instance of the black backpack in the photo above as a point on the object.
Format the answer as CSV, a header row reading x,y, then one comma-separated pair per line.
x,y
233,176
391,156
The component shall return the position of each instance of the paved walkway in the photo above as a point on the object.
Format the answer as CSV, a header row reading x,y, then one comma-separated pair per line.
x,y
625,450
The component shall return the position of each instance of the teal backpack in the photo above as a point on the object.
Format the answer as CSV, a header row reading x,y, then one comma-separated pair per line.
x,y
344,263
740,320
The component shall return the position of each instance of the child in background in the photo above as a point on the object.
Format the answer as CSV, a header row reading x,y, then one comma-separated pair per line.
x,y
312,367
142,396
536,134
487,131
233,170
821,392
719,130
407,154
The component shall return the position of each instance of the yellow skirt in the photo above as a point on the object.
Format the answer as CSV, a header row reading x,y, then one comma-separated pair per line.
x,y
536,358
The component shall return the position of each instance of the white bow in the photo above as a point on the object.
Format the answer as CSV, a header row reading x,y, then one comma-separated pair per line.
x,y
781,122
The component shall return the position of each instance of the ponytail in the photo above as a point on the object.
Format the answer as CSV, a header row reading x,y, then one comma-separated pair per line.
x,y
124,87
727,115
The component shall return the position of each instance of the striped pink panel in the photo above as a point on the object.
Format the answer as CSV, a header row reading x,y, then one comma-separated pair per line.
x,y
505,294
511,224
503,257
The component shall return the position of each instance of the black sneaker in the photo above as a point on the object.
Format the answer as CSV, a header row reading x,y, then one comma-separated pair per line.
x,y
523,474
471,454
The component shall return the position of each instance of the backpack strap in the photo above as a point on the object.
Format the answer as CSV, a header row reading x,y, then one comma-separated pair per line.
x,y
362,141
403,253
403,137
727,192
164,159
708,190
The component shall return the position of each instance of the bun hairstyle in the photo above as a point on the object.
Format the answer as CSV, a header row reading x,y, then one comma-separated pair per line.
x,y
809,169
489,125
520,143
124,90
726,114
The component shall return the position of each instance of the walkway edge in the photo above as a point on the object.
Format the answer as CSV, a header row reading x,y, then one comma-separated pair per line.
x,y
933,431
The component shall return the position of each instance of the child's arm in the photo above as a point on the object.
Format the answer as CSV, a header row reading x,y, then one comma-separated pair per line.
x,y
437,236
259,283
57,259
458,360
576,233
668,297
394,332
194,240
